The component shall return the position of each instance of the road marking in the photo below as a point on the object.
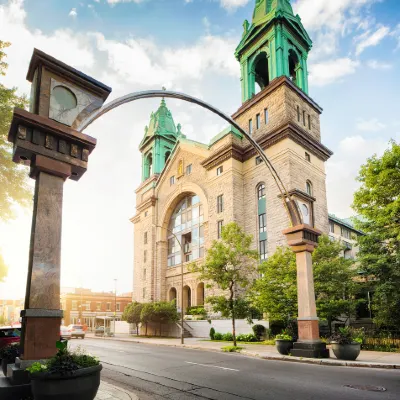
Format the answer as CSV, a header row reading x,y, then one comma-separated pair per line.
x,y
212,366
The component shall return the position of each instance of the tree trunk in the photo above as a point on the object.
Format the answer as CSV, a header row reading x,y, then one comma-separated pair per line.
x,y
330,325
233,315
160,328
137,329
146,329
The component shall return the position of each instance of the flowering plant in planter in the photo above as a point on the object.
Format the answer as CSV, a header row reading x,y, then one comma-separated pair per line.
x,y
284,343
67,375
346,343
8,355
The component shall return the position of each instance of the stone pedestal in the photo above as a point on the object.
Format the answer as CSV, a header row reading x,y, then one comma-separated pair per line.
x,y
42,315
303,239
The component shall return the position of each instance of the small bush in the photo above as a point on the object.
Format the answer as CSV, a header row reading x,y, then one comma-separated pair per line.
x,y
231,349
246,338
259,331
217,336
212,333
228,337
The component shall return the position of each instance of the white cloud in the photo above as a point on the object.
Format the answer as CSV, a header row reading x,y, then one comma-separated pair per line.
x,y
396,34
369,39
324,73
343,168
73,13
233,4
371,125
128,66
375,64
113,2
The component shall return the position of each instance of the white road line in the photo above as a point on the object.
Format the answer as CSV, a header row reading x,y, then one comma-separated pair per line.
x,y
211,366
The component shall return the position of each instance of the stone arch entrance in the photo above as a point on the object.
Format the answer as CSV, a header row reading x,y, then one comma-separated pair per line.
x,y
187,297
200,294
172,294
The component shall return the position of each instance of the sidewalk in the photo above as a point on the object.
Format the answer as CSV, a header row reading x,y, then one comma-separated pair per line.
x,y
111,392
368,359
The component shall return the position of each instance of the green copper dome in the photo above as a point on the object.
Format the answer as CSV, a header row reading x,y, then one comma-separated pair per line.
x,y
160,137
265,10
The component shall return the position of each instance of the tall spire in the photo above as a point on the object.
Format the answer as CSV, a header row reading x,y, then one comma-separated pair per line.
x,y
274,45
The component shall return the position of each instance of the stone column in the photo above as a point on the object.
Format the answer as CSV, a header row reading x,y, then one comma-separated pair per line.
x,y
42,315
303,239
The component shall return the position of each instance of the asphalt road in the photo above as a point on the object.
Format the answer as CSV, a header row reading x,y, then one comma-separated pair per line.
x,y
161,372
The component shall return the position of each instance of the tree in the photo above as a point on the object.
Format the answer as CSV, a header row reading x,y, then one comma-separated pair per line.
x,y
335,287
231,265
13,178
378,203
132,314
3,269
164,312
146,315
275,292
335,281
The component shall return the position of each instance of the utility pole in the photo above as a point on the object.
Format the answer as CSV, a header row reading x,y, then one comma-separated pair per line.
x,y
115,302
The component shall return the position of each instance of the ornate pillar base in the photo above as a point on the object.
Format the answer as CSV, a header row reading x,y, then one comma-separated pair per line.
x,y
310,350
303,239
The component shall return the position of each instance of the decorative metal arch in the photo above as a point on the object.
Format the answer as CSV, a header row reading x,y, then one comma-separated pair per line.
x,y
288,202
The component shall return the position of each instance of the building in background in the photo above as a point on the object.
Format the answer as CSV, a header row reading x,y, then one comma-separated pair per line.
x,y
344,231
193,189
82,306
10,311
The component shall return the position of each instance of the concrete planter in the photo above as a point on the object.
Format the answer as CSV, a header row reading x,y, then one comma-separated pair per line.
x,y
348,352
81,385
284,346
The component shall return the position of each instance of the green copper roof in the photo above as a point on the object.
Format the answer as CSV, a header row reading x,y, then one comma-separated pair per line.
x,y
162,124
226,131
265,10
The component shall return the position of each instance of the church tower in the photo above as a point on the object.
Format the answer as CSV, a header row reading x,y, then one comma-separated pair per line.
x,y
159,139
275,44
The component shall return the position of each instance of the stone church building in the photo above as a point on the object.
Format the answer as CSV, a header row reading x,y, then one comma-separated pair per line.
x,y
191,189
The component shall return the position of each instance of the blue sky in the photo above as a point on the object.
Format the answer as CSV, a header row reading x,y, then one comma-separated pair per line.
x,y
188,46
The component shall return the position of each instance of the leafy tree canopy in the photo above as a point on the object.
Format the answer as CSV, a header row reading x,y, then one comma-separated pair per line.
x,y
377,201
13,178
276,291
230,264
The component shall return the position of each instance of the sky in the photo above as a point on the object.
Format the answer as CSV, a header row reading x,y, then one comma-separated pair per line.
x,y
188,45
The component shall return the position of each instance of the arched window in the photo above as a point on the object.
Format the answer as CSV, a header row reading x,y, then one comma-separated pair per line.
x,y
294,65
260,70
148,166
261,191
187,225
167,154
172,294
305,212
309,188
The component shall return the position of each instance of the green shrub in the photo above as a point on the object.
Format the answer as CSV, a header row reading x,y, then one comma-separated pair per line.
x,y
228,337
259,331
284,336
196,310
231,349
212,333
249,337
217,336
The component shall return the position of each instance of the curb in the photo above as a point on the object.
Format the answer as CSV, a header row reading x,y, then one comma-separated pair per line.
x,y
316,361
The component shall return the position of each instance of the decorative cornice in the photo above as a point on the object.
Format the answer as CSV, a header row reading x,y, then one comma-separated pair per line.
x,y
148,181
225,153
274,85
147,203
293,132
302,195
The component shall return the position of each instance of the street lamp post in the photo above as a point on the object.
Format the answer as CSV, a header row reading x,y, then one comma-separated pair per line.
x,y
182,254
115,302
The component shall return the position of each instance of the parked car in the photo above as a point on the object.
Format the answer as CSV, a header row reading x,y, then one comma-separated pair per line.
x,y
65,332
77,331
9,335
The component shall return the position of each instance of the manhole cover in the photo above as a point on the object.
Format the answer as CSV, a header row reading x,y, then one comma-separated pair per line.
x,y
367,388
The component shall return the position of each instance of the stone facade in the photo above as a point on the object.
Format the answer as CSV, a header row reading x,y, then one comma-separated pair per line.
x,y
285,141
